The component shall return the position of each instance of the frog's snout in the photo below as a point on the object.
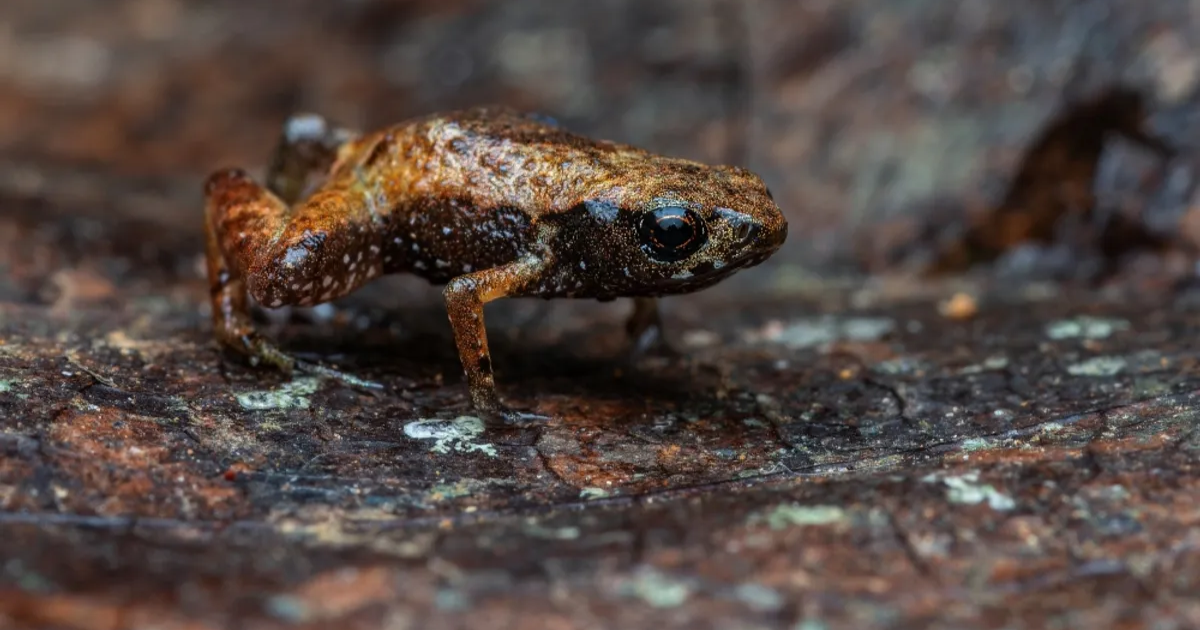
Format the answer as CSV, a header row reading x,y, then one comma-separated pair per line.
x,y
778,235
761,237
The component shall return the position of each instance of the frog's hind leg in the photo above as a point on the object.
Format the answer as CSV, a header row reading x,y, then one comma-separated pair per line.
x,y
257,246
307,145
232,323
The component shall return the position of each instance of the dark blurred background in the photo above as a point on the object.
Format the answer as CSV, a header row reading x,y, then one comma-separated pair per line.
x,y
864,117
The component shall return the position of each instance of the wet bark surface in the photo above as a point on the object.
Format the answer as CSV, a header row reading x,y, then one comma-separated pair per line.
x,y
834,450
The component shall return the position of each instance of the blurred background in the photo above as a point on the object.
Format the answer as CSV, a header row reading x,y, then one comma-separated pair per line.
x,y
867,119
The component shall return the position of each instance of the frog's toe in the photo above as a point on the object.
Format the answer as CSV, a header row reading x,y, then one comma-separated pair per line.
x,y
337,375
517,418
260,351
508,417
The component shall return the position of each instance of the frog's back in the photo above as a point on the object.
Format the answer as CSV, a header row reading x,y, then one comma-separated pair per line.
x,y
498,157
494,127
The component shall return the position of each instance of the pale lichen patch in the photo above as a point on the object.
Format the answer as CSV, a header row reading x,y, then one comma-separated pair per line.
x,y
657,589
787,515
1098,366
965,489
1085,327
459,434
292,395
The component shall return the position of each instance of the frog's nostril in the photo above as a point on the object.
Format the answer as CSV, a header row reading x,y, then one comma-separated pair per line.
x,y
747,233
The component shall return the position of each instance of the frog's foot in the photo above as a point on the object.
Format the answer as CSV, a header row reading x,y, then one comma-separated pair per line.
x,y
259,351
337,375
496,414
307,145
652,343
514,418
645,330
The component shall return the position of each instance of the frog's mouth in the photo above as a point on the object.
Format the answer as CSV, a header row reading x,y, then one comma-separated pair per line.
x,y
709,273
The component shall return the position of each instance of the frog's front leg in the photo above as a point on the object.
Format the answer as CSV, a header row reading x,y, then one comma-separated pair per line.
x,y
465,297
645,329
257,245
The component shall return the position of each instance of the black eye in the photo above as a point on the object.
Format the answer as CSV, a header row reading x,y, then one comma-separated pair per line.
x,y
672,233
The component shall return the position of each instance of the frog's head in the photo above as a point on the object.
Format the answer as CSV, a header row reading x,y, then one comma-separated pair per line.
x,y
683,229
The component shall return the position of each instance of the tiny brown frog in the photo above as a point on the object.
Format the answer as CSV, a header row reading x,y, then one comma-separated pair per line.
x,y
489,202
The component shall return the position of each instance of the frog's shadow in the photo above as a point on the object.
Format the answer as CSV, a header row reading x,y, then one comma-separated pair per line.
x,y
574,365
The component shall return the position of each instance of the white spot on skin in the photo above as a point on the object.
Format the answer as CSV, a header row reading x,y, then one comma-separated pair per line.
x,y
387,259
308,287
295,286
416,248
277,303
327,295
420,264
467,268
328,281
717,264
627,274
374,249
373,271
682,275
345,258
294,256
352,266
441,264
446,230
360,255
397,241
582,265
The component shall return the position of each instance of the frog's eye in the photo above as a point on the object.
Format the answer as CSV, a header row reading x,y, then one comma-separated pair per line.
x,y
672,233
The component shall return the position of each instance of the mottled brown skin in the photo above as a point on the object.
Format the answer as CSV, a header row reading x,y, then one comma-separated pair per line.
x,y
1055,178
491,203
